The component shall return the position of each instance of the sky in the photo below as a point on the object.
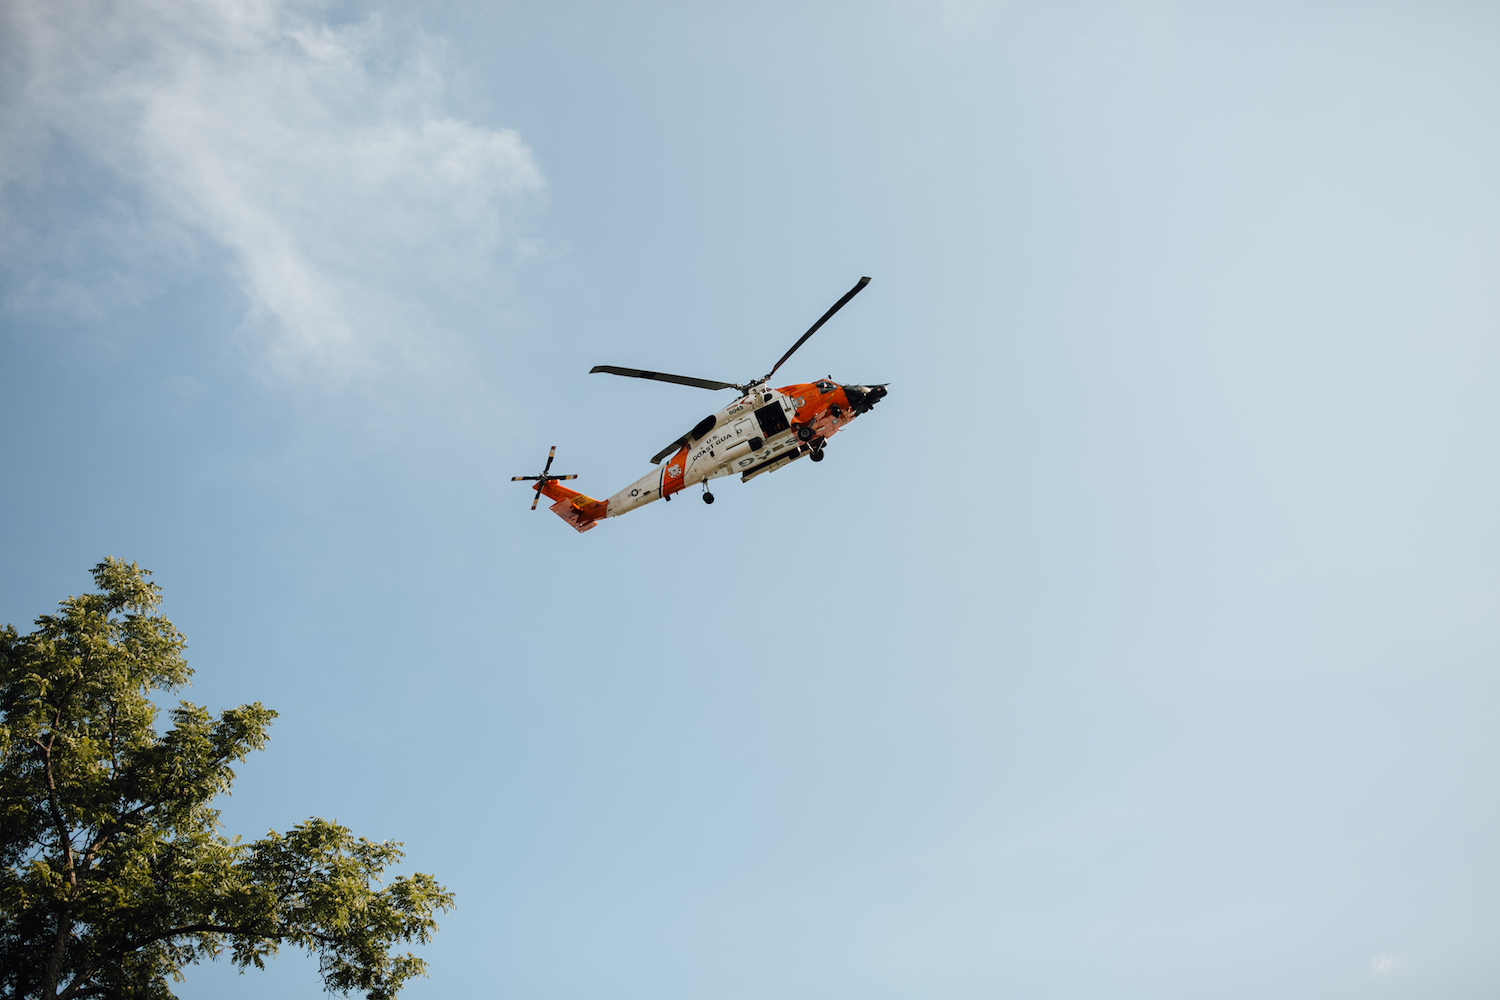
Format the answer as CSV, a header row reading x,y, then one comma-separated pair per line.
x,y
1142,643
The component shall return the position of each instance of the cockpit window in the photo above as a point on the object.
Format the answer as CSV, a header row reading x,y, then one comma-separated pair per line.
x,y
826,387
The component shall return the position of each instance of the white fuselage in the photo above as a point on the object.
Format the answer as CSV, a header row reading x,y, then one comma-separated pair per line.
x,y
748,432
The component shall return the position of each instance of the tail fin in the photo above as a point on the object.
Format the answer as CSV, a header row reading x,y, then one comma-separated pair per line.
x,y
582,512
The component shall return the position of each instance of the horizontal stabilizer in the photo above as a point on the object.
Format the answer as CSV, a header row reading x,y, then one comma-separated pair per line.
x,y
568,511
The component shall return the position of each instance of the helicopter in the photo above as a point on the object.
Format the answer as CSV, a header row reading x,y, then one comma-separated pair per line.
x,y
764,430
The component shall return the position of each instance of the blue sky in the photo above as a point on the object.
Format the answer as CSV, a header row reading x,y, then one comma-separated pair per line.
x,y
1142,643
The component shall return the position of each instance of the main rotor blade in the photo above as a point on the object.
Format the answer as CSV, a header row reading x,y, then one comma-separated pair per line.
x,y
537,497
550,456
669,449
698,383
814,328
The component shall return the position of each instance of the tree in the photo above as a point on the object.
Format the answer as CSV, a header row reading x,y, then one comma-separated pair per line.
x,y
113,873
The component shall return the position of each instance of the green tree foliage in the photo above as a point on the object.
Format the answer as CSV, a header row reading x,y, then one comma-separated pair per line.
x,y
113,874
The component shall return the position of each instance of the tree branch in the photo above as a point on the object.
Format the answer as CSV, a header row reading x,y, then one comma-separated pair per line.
x,y
115,825
76,990
238,930
65,915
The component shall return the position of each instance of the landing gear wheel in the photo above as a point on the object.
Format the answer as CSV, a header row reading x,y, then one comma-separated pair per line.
x,y
708,497
817,455
805,432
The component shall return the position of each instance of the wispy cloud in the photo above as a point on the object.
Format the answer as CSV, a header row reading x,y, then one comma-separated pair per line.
x,y
319,158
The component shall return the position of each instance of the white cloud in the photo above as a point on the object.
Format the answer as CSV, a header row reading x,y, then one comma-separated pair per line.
x,y
1383,965
319,158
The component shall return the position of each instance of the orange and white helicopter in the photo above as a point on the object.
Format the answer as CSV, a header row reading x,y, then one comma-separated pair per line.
x,y
764,430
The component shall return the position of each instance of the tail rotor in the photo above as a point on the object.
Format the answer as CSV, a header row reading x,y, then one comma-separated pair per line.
x,y
544,478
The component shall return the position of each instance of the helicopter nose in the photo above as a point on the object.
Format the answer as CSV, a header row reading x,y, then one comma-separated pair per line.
x,y
862,397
